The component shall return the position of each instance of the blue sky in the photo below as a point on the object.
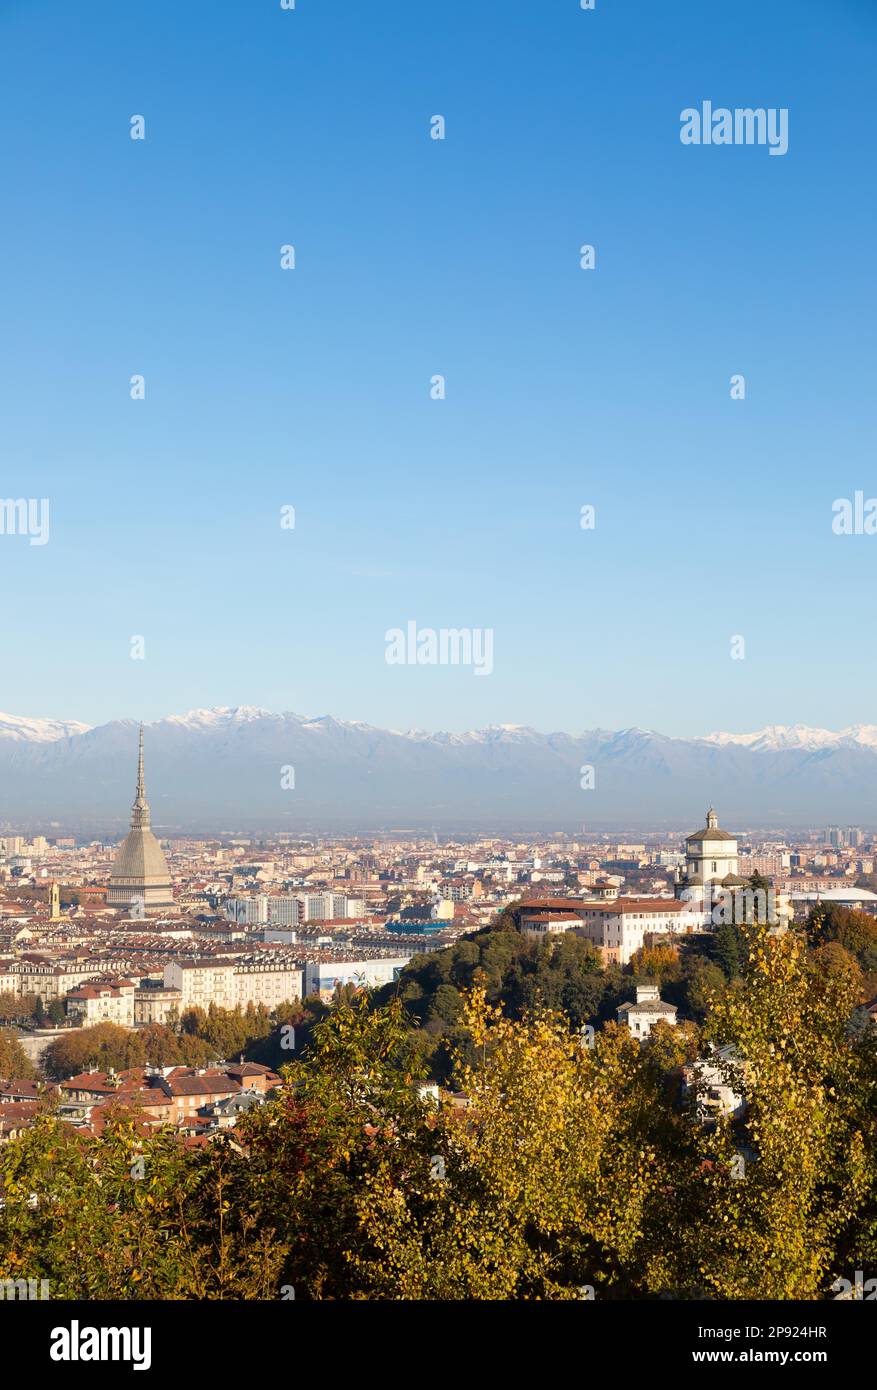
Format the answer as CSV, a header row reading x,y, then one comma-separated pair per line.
x,y
458,257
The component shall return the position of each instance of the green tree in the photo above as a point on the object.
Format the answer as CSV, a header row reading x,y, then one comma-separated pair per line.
x,y
855,931
729,949
132,1215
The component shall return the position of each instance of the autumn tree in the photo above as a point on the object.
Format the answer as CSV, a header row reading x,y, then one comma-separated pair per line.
x,y
131,1215
350,1122
552,1184
855,931
104,1046
14,1061
792,1185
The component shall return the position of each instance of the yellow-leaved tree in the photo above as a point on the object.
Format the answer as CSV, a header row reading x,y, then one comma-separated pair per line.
x,y
791,1187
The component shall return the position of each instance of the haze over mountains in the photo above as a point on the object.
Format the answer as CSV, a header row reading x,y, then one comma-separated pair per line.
x,y
222,769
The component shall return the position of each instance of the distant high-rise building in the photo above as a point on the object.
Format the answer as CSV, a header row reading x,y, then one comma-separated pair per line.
x,y
140,880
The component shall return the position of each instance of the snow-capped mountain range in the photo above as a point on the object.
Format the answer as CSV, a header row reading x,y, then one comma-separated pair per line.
x,y
777,736
213,769
771,738
38,730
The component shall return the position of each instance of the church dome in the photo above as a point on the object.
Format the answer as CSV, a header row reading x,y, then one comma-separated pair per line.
x,y
710,832
140,856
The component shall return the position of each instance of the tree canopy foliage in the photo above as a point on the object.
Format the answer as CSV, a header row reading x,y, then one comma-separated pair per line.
x,y
201,1038
573,1165
14,1061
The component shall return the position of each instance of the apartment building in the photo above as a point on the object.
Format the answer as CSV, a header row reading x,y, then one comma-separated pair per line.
x,y
267,982
232,984
768,865
103,1002
154,1002
291,909
51,979
202,982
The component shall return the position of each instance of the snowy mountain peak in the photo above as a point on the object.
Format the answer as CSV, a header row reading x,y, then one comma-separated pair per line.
x,y
217,718
775,737
23,730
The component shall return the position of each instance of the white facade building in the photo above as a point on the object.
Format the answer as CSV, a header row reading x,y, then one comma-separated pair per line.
x,y
202,982
233,984
51,981
154,1003
716,1084
649,1008
323,977
103,1003
269,983
619,929
539,926
710,866
289,910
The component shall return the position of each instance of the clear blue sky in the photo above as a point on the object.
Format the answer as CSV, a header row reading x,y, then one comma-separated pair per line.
x,y
417,257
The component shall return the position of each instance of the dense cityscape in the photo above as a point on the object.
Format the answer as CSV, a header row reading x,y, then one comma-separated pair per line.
x,y
145,936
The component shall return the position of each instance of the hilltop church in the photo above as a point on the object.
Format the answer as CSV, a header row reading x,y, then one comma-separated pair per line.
x,y
710,868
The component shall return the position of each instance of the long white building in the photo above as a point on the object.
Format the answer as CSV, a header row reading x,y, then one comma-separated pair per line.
x,y
232,984
289,910
618,928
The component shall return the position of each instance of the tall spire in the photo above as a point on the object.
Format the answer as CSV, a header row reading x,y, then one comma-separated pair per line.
x,y
139,880
140,809
141,789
